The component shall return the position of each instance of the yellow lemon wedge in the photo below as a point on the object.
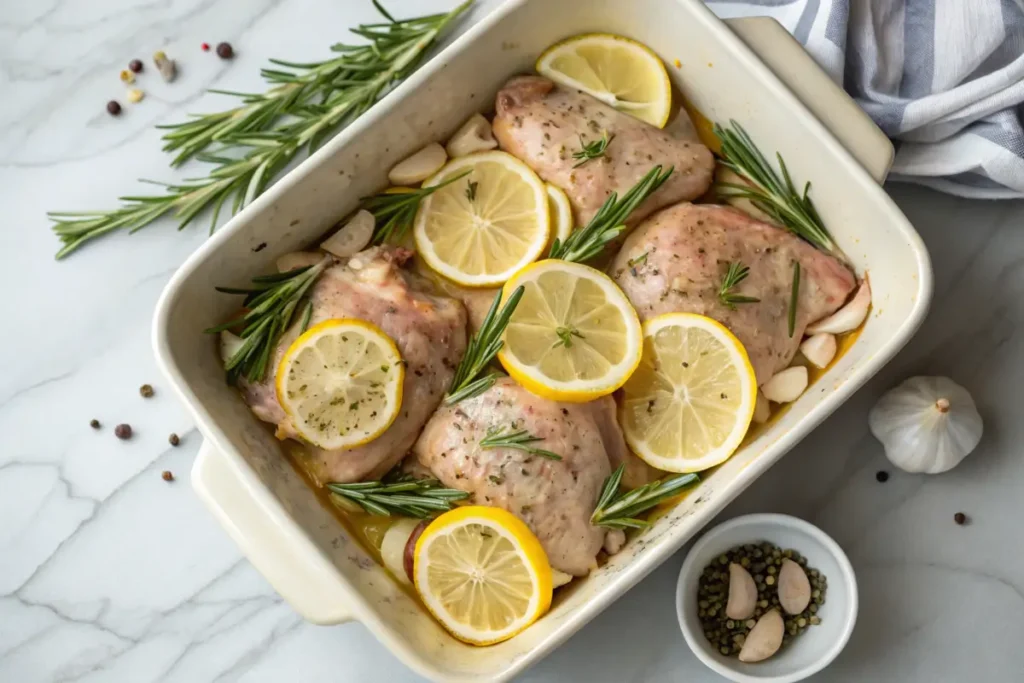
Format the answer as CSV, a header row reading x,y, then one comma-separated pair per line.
x,y
482,573
689,403
561,214
340,383
574,335
479,230
620,72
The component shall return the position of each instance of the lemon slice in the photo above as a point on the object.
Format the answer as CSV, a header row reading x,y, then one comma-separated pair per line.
x,y
620,72
574,335
478,231
561,213
340,383
482,573
687,407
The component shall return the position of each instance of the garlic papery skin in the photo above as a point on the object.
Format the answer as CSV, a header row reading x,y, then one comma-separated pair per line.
x,y
926,424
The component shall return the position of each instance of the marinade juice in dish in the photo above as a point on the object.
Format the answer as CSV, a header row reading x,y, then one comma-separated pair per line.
x,y
546,328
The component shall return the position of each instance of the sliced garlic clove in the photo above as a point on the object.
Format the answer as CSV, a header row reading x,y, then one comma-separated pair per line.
x,y
820,349
786,386
392,547
614,540
794,587
351,238
742,593
764,639
419,166
473,136
762,409
849,317
560,578
298,259
229,345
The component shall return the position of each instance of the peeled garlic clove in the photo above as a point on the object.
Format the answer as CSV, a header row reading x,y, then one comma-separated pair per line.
x,y
298,259
786,386
229,345
392,547
614,540
819,349
794,587
559,578
849,317
419,166
762,409
764,639
473,136
351,238
742,593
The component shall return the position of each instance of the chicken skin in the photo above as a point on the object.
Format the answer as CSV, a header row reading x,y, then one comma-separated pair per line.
x,y
542,123
554,497
675,262
429,331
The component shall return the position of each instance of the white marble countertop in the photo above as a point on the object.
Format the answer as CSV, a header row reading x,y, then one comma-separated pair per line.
x,y
109,573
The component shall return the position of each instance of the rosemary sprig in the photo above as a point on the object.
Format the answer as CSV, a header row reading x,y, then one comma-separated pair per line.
x,y
736,273
565,335
592,150
394,212
481,350
617,510
609,221
256,141
777,197
419,498
518,439
271,305
794,297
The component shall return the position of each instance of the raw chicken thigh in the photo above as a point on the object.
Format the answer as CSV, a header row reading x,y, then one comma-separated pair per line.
x,y
554,497
675,262
541,123
430,333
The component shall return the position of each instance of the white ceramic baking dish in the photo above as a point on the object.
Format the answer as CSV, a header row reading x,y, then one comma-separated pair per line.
x,y
281,526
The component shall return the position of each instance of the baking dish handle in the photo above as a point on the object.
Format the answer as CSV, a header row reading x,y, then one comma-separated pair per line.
x,y
827,101
285,558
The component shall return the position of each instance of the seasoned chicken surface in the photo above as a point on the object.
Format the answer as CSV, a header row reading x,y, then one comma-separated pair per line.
x,y
675,262
430,333
554,497
542,123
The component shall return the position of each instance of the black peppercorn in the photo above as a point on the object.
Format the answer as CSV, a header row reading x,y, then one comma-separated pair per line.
x,y
173,439
95,424
882,476
960,518
135,65
225,51
113,108
123,431
146,390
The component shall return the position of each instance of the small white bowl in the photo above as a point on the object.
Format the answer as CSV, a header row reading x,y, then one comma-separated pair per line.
x,y
813,650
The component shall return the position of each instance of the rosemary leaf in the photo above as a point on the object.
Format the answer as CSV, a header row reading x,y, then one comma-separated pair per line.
x,y
735,274
794,297
777,197
271,302
592,150
481,350
418,498
609,222
518,439
617,510
254,142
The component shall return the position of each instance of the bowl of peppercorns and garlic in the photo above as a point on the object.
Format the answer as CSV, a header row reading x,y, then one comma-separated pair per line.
x,y
766,598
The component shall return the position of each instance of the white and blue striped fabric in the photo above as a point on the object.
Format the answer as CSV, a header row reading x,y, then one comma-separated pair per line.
x,y
943,78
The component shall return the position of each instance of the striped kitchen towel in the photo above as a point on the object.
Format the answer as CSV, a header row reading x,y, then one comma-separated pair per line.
x,y
943,78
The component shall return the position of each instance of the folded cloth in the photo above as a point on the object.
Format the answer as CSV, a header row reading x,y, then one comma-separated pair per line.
x,y
943,78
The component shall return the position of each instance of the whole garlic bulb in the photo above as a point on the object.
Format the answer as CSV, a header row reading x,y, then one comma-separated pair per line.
x,y
927,424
